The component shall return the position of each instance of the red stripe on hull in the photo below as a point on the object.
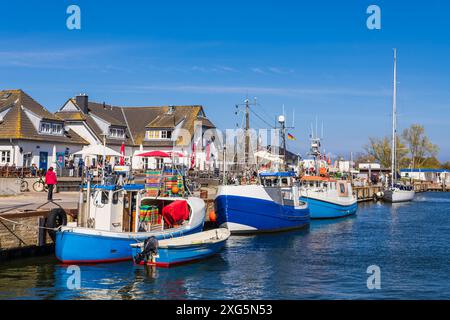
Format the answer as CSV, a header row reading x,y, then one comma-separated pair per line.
x,y
171,264
70,262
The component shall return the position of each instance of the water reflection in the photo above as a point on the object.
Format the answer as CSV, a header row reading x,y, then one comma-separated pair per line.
x,y
329,260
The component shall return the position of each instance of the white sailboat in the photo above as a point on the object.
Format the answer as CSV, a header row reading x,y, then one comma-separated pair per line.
x,y
397,192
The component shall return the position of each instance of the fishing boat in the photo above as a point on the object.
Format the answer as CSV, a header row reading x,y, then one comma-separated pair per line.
x,y
328,198
186,249
397,192
112,217
269,206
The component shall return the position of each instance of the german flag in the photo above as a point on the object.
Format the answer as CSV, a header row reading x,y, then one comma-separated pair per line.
x,y
291,137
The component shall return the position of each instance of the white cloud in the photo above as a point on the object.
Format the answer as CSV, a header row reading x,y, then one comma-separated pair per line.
x,y
285,91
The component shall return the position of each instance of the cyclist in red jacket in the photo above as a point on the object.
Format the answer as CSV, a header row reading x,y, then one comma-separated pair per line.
x,y
50,180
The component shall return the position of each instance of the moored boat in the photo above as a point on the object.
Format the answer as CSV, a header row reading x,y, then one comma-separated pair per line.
x,y
397,192
186,249
328,198
271,206
113,217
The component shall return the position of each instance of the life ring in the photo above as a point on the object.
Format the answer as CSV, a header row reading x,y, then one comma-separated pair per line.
x,y
56,218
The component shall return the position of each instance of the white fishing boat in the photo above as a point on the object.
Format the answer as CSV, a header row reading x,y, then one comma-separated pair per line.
x,y
327,198
397,192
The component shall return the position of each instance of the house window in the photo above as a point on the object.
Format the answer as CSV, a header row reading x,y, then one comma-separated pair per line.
x,y
166,134
5,156
46,127
117,133
159,135
51,128
153,135
56,128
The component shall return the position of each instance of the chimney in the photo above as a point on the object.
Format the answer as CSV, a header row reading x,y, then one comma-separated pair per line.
x,y
82,102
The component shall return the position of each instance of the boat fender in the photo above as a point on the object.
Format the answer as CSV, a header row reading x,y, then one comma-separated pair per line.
x,y
149,249
56,218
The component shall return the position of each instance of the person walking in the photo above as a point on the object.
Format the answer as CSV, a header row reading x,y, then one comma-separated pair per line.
x,y
50,180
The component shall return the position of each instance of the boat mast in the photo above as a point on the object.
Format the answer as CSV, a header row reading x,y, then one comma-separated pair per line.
x,y
394,122
247,132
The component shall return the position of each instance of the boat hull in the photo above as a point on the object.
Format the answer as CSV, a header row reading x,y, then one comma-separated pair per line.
x,y
395,196
245,215
74,247
320,209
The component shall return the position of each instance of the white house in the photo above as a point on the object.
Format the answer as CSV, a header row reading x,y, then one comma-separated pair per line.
x,y
433,175
31,134
142,129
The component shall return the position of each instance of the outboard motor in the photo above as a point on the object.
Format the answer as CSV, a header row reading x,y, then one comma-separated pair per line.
x,y
149,249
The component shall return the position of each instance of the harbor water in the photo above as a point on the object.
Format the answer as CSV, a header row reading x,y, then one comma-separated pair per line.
x,y
409,242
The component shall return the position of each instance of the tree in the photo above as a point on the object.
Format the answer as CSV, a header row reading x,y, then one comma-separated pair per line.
x,y
446,165
432,163
419,145
380,149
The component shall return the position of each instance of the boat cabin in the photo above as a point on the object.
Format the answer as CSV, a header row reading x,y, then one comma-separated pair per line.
x,y
317,183
127,209
281,187
277,179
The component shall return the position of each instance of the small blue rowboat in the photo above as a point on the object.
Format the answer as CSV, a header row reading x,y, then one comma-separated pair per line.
x,y
176,251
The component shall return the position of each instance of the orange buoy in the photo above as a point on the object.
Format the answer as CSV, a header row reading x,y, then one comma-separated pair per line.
x,y
212,216
175,190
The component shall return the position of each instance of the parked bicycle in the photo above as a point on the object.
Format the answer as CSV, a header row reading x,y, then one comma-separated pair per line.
x,y
40,186
23,184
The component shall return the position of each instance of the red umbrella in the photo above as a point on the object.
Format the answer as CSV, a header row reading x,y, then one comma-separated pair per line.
x,y
122,152
175,154
154,154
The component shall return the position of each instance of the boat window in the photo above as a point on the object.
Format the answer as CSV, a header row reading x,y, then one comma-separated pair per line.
x,y
115,198
105,197
342,187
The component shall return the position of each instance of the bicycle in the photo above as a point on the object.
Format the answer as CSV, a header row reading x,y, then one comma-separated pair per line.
x,y
40,186
23,184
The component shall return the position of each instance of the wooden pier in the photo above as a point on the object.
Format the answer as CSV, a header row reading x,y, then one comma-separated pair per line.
x,y
367,193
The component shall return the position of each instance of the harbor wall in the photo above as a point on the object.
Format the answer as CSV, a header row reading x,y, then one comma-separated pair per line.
x,y
9,186
24,238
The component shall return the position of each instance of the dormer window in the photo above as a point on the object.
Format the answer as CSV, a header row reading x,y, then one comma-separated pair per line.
x,y
166,134
117,133
51,128
159,135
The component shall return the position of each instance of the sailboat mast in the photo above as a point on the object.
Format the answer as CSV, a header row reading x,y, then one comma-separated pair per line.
x,y
394,122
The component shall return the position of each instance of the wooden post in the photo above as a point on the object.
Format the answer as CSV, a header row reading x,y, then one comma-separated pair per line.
x,y
42,236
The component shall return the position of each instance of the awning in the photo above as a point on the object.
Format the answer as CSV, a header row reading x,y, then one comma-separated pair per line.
x,y
154,154
98,150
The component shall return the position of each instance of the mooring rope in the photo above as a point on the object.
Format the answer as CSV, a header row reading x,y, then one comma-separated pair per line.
x,y
27,225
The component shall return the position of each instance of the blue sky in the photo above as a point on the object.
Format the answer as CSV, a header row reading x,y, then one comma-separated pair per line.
x,y
318,58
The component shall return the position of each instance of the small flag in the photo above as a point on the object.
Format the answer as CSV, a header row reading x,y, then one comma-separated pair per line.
x,y
291,137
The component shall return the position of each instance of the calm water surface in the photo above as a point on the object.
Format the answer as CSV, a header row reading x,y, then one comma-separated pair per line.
x,y
410,243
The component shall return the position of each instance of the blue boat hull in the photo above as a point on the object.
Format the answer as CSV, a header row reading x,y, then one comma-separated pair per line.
x,y
256,215
73,247
182,255
326,210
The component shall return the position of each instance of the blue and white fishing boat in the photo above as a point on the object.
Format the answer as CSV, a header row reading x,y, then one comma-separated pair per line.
x,y
111,218
270,206
186,249
328,198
